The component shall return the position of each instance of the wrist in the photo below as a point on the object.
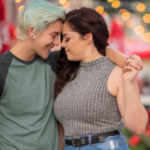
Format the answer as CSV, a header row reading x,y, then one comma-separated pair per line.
x,y
128,82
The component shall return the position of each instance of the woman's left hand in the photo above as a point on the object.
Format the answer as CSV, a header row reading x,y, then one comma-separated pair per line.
x,y
134,61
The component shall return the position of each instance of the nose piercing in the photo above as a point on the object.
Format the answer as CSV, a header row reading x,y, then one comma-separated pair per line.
x,y
33,36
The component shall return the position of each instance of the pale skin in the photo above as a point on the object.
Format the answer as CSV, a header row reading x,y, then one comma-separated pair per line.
x,y
41,45
121,82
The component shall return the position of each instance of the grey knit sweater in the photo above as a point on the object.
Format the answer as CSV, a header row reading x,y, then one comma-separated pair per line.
x,y
84,105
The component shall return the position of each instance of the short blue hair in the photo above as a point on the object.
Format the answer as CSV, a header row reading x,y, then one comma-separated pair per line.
x,y
39,14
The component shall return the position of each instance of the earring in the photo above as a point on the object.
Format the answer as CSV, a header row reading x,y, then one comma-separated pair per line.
x,y
33,36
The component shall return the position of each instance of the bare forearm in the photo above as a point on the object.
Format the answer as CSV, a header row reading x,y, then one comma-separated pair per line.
x,y
115,56
135,116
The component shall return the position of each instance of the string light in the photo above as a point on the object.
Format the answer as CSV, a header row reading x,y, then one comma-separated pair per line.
x,y
62,1
128,40
110,1
139,30
146,37
66,5
122,10
146,18
20,7
140,7
130,23
17,1
15,32
115,4
100,9
126,15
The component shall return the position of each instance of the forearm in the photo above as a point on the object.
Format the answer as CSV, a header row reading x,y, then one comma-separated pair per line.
x,y
115,56
135,116
61,136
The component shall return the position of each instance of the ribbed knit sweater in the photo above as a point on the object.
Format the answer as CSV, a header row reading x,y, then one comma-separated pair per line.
x,y
85,106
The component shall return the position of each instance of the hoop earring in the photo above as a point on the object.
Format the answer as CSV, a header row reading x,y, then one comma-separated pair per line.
x,y
33,36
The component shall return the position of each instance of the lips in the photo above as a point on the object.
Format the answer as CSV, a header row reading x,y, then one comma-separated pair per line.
x,y
49,49
66,51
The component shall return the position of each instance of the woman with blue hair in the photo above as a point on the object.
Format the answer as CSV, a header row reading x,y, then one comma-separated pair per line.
x,y
27,76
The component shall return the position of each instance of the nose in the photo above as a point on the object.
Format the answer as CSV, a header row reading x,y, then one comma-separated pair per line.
x,y
56,42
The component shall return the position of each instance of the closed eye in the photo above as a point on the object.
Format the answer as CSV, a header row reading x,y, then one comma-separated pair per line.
x,y
67,40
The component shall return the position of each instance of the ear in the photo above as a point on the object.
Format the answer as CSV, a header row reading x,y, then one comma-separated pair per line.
x,y
89,37
31,31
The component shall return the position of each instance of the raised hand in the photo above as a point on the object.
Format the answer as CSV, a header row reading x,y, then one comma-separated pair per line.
x,y
130,74
134,61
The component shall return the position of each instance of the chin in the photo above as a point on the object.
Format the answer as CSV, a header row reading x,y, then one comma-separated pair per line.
x,y
45,56
72,59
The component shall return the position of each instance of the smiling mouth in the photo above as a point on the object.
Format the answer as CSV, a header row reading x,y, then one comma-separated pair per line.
x,y
66,51
49,49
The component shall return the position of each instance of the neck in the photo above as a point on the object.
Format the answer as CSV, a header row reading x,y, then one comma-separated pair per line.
x,y
23,51
92,55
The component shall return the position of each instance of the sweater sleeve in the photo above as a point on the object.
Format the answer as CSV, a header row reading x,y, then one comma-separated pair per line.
x,y
52,60
1,89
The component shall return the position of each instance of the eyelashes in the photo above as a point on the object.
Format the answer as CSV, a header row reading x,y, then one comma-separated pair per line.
x,y
67,40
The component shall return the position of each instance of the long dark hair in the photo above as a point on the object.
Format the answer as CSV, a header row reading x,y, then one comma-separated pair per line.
x,y
83,20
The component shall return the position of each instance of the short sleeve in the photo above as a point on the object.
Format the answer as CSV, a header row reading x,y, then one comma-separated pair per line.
x,y
1,87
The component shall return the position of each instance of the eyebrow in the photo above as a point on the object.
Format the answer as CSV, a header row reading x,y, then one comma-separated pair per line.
x,y
65,34
56,33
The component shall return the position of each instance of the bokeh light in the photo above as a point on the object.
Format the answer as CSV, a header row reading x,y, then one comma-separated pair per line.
x,y
122,10
139,30
129,23
62,1
115,4
140,7
20,7
15,32
146,37
105,15
66,5
110,1
17,1
125,15
99,9
128,40
146,18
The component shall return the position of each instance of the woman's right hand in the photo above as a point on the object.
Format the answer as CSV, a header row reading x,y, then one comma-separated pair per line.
x,y
130,74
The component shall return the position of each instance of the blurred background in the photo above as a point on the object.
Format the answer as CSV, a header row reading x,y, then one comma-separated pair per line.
x,y
129,26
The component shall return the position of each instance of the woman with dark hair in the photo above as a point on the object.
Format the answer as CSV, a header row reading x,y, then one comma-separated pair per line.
x,y
92,94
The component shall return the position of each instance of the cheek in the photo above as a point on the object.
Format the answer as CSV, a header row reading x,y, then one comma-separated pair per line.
x,y
73,46
46,40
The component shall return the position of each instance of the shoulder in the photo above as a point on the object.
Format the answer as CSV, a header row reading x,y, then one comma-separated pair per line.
x,y
117,76
117,73
114,68
5,60
118,70
108,64
5,56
